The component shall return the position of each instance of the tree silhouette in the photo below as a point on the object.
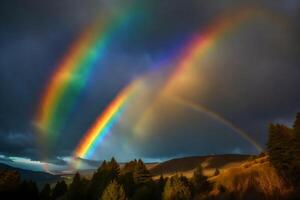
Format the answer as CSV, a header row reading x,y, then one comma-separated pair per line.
x,y
59,190
199,181
296,152
141,174
284,150
45,193
176,189
106,173
114,191
77,188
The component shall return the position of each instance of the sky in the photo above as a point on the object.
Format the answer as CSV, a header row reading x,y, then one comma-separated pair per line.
x,y
249,79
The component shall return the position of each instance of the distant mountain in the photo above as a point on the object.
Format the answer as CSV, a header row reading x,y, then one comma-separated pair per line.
x,y
36,176
186,165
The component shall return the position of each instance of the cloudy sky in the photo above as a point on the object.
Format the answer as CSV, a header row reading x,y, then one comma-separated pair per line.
x,y
250,78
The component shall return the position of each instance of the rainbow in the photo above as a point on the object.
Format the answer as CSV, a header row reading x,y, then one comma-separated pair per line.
x,y
72,73
201,44
104,123
200,108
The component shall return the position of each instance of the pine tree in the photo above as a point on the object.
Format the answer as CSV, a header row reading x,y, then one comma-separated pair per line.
x,y
199,181
60,189
77,188
175,189
160,184
296,125
141,173
295,152
107,172
279,148
46,192
126,177
113,191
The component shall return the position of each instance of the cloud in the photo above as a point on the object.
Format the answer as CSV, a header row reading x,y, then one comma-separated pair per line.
x,y
5,159
91,163
250,78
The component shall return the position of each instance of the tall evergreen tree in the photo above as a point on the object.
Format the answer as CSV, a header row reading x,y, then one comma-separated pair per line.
x,y
107,172
279,147
295,152
114,191
60,189
45,194
284,150
141,173
176,189
77,188
296,125
126,177
199,181
159,187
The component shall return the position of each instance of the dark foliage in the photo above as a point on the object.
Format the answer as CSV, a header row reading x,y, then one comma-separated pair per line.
x,y
45,193
106,173
284,150
28,190
59,190
114,191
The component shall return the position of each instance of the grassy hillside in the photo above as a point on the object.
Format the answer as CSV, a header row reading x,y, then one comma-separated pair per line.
x,y
186,166
255,179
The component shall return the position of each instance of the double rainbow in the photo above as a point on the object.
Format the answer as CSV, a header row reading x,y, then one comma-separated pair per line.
x,y
72,74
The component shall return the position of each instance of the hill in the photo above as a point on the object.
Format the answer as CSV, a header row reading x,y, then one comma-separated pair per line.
x,y
186,165
253,179
37,176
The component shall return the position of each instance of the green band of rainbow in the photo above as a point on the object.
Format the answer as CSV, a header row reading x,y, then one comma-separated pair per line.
x,y
73,72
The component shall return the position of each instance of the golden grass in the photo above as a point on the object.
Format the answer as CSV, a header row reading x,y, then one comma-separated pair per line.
x,y
257,174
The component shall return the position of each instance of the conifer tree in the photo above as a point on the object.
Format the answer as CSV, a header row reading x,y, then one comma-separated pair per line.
x,y
199,181
175,189
126,177
296,125
279,148
141,173
114,191
60,189
295,152
45,194
107,172
77,188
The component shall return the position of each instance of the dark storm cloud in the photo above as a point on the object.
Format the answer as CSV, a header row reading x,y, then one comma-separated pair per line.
x,y
254,82
17,144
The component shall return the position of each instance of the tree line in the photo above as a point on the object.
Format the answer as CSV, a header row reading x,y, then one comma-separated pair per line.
x,y
109,182
135,182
